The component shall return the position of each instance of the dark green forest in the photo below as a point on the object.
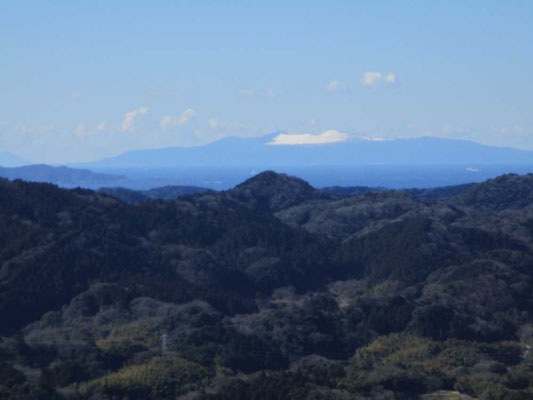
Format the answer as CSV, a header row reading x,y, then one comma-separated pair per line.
x,y
271,290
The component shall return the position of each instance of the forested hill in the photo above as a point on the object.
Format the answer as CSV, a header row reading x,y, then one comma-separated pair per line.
x,y
169,192
273,289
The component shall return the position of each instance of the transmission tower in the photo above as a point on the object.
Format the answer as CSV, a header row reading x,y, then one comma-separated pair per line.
x,y
164,344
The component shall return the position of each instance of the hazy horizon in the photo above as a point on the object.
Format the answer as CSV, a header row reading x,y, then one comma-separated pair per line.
x,y
81,82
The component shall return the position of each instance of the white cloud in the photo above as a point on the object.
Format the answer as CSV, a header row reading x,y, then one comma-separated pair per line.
x,y
373,78
330,136
167,121
374,138
170,120
101,126
390,78
336,86
370,78
186,116
127,124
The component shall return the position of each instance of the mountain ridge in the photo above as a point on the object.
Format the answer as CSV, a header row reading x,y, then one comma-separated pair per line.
x,y
163,193
256,151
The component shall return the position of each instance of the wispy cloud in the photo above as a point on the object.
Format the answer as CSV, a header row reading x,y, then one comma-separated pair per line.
x,y
166,121
83,130
330,136
336,86
373,78
374,138
186,116
127,123
169,120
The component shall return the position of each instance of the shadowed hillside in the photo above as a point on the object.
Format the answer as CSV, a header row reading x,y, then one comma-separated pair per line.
x,y
165,193
273,289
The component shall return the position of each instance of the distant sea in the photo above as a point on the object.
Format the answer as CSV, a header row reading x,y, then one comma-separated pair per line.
x,y
387,176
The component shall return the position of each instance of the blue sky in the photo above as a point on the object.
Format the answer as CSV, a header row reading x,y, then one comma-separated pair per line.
x,y
80,80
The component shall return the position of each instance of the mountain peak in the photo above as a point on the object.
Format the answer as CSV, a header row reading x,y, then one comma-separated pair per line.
x,y
271,191
272,177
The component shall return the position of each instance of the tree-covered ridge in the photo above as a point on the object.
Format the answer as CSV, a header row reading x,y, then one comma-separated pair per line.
x,y
131,196
271,290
